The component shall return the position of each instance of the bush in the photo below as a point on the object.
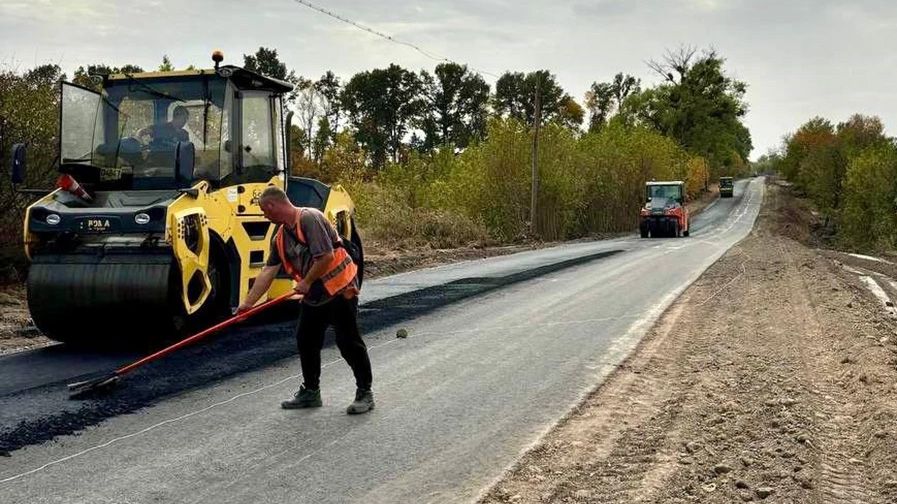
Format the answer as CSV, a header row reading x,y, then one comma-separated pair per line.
x,y
869,220
587,184
385,218
28,114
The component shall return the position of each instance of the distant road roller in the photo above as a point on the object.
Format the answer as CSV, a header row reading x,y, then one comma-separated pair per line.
x,y
155,225
726,187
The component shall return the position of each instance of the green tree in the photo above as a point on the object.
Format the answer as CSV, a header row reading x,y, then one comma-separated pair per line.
x,y
166,65
266,62
324,138
698,104
309,106
298,158
457,106
330,87
604,99
383,105
599,101
515,94
29,113
83,74
768,163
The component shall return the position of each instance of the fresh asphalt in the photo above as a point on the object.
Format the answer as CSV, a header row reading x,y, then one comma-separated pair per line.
x,y
498,350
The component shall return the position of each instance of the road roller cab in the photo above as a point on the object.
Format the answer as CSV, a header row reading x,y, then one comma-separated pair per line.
x,y
155,223
664,212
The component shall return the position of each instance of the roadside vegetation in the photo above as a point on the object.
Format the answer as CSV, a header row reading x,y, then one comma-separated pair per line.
x,y
442,159
849,172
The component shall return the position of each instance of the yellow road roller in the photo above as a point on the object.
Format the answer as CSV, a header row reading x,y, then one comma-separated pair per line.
x,y
155,225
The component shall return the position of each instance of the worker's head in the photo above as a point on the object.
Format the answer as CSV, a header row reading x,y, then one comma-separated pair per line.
x,y
179,116
276,206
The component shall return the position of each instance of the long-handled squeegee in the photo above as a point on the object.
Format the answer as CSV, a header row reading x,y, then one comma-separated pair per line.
x,y
86,387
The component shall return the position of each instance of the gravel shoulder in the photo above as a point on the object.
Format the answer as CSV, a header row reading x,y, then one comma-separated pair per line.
x,y
16,332
773,377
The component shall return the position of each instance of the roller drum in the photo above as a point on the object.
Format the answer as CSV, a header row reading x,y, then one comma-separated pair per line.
x,y
86,300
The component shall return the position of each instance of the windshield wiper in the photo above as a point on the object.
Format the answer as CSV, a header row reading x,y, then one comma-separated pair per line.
x,y
151,90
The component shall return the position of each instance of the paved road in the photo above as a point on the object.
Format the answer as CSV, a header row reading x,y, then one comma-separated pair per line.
x,y
476,383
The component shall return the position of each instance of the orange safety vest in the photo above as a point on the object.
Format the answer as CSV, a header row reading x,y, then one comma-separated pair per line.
x,y
339,273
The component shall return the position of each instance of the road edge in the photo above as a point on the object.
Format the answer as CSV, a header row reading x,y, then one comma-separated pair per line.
x,y
624,349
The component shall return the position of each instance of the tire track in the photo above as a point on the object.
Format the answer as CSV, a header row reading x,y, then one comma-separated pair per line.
x,y
842,472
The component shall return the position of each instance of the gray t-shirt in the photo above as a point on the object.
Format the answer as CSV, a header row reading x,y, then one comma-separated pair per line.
x,y
320,237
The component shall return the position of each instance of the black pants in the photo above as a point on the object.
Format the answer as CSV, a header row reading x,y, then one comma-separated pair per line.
x,y
342,314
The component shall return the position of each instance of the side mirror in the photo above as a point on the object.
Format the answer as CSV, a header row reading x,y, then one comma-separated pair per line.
x,y
184,161
18,163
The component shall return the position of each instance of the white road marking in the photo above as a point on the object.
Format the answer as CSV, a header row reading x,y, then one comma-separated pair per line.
x,y
870,258
880,293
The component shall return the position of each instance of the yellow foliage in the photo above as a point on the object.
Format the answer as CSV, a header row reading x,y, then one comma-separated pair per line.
x,y
588,184
698,176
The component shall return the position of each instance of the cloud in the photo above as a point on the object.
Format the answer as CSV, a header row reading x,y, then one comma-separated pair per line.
x,y
799,57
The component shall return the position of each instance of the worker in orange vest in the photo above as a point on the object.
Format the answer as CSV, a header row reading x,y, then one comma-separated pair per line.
x,y
309,249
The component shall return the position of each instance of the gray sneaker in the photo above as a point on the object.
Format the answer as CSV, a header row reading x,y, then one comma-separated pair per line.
x,y
304,398
364,402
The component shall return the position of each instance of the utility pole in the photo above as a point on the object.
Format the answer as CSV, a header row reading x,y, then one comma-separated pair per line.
x,y
537,120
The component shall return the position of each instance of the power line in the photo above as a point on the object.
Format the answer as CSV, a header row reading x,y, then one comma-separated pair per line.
x,y
385,36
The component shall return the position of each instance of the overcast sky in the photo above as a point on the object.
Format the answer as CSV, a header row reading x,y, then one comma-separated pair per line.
x,y
800,58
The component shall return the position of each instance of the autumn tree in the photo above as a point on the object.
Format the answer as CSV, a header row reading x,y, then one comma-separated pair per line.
x,y
817,157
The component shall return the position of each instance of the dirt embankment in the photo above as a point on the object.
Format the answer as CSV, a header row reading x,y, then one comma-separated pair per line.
x,y
773,377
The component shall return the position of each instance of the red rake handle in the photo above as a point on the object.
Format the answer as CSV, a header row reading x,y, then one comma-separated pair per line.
x,y
202,334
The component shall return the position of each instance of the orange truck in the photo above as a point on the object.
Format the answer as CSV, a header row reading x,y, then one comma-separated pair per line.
x,y
664,212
